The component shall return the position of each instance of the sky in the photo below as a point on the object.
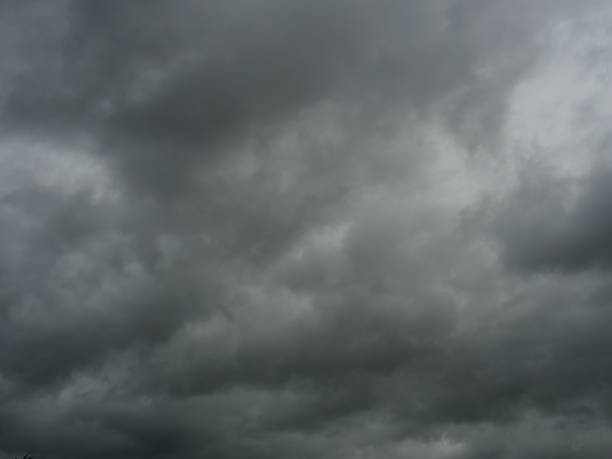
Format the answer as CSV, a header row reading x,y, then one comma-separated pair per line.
x,y
335,229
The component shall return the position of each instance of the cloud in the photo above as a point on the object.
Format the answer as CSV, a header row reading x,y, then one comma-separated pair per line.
x,y
289,229
168,87
548,225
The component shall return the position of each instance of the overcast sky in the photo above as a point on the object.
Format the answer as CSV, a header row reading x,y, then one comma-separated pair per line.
x,y
297,229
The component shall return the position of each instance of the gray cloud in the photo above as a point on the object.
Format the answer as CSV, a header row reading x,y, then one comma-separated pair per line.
x,y
544,226
168,86
290,229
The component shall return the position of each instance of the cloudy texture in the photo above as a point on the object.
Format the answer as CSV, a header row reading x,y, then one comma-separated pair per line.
x,y
306,229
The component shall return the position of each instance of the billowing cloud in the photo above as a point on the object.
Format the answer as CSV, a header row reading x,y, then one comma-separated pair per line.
x,y
331,229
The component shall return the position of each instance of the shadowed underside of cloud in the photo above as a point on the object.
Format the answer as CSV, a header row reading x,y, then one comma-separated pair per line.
x,y
546,227
304,229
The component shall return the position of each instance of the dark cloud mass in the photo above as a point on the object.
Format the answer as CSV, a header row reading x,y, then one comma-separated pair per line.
x,y
544,228
279,228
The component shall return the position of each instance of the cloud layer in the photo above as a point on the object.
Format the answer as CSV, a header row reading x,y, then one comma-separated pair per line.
x,y
336,229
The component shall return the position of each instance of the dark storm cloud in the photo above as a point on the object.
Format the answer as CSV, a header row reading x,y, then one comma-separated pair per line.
x,y
57,255
229,230
545,226
168,85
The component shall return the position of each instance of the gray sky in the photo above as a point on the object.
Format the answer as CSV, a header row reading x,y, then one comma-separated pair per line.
x,y
305,229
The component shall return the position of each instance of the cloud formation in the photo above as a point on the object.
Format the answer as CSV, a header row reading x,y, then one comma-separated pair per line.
x,y
331,229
